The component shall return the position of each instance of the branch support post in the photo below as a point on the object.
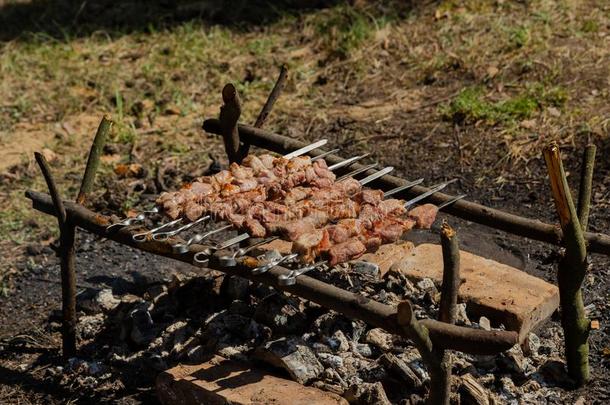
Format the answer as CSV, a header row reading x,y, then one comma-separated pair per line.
x,y
67,262
571,270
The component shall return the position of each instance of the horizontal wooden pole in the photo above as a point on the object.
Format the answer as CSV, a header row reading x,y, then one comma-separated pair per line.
x,y
467,340
511,223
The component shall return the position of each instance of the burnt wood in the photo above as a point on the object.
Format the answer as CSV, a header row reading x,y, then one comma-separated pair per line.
x,y
494,218
353,305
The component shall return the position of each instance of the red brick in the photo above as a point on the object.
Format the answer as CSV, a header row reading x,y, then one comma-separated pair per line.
x,y
500,292
220,381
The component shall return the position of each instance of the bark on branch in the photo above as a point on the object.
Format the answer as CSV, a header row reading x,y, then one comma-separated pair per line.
x,y
67,265
451,274
94,159
586,183
273,96
571,272
438,368
229,115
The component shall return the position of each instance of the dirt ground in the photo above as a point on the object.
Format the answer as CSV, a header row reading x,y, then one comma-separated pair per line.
x,y
451,89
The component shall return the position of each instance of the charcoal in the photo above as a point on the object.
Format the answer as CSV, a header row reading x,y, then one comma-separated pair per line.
x,y
367,394
379,338
282,314
93,300
293,355
330,360
401,370
235,288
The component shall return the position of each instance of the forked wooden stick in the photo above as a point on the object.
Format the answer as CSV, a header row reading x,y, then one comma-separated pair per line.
x,y
571,272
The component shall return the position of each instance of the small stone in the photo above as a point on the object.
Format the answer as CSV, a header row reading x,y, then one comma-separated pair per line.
x,y
367,394
554,112
554,373
461,315
293,355
531,344
379,338
484,323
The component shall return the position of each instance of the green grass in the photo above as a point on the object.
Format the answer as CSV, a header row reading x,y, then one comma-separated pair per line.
x,y
471,106
345,29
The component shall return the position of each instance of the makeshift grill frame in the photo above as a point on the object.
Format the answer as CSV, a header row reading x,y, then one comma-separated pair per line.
x,y
238,138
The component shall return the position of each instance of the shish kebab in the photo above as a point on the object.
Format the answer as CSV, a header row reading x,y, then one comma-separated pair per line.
x,y
351,238
201,257
301,151
234,187
291,277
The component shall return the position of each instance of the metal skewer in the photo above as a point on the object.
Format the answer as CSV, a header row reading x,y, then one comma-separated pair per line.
x,y
347,162
402,188
141,237
231,261
203,257
275,262
357,171
428,193
449,202
165,235
133,220
184,247
306,149
323,155
291,278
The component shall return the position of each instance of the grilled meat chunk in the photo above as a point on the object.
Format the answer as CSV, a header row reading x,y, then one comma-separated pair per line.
x,y
310,245
346,251
424,215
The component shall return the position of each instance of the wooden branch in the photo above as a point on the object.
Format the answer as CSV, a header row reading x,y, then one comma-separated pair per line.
x,y
496,219
93,161
67,264
48,178
571,273
451,274
437,365
273,96
229,115
468,340
586,183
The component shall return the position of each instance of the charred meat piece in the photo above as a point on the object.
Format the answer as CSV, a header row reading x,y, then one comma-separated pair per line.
x,y
293,229
254,228
296,194
370,196
193,210
390,229
309,245
346,251
424,215
392,206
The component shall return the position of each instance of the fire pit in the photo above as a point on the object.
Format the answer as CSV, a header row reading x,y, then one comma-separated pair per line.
x,y
431,337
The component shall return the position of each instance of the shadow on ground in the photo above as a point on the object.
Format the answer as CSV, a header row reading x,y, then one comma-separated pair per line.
x,y
74,18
